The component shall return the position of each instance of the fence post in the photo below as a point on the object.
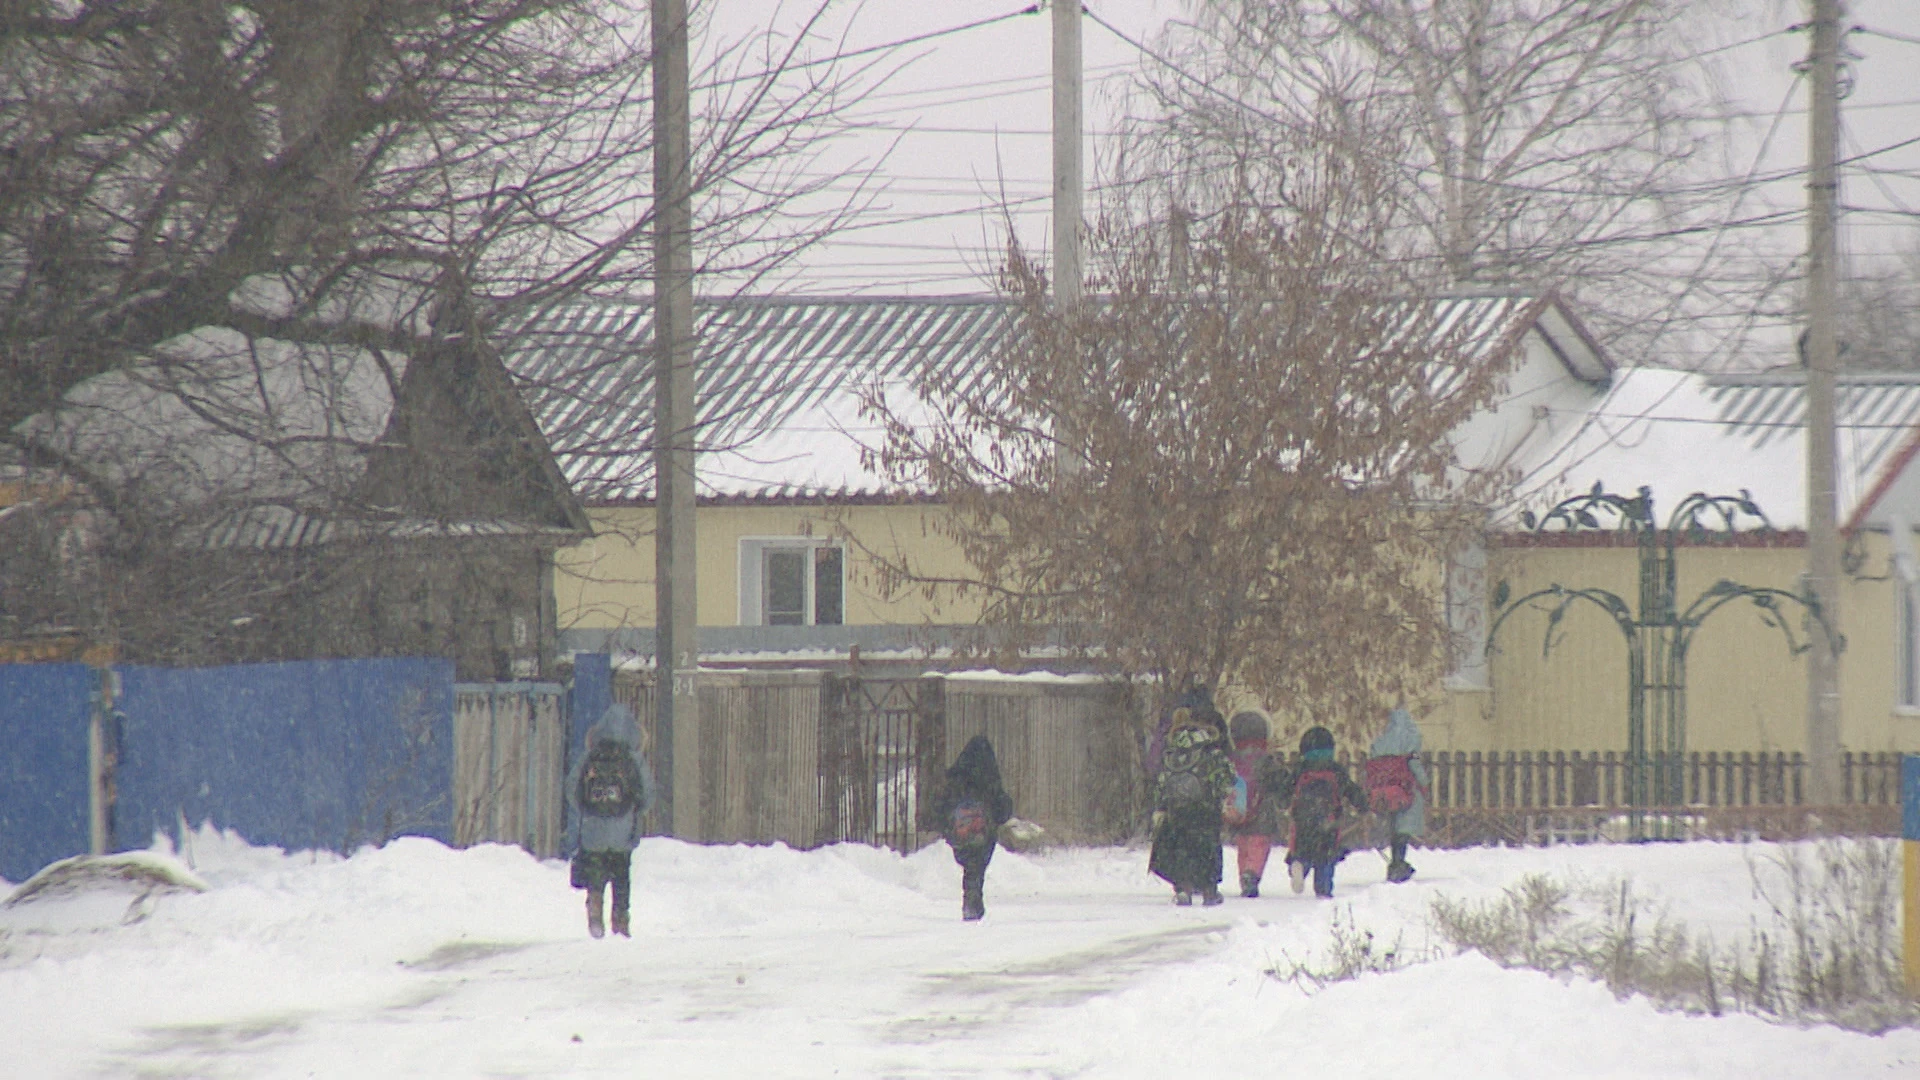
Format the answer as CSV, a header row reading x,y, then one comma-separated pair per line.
x,y
102,756
1910,845
832,775
931,741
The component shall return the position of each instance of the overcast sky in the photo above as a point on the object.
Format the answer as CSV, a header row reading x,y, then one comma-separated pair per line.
x,y
961,127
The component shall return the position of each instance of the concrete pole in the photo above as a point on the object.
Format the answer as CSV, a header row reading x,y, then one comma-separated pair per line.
x,y
676,647
1068,180
1822,356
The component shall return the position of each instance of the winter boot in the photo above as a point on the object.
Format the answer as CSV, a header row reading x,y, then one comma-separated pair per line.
x,y
1211,897
1399,871
596,906
1249,884
972,905
1297,876
1182,898
622,924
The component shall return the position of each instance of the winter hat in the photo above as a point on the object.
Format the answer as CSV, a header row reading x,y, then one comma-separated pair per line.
x,y
1248,725
1317,744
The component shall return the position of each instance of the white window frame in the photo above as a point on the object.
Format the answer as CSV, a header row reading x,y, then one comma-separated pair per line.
x,y
752,571
1467,616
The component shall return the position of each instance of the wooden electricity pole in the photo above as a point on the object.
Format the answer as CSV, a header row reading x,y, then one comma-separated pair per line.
x,y
1822,358
1067,184
676,647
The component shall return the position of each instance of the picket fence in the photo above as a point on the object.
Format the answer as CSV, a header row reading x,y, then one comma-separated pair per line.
x,y
1568,796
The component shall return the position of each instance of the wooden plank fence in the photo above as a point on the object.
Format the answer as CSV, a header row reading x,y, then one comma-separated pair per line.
x,y
509,761
815,757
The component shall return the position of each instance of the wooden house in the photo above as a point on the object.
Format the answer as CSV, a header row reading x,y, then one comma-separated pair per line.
x,y
250,499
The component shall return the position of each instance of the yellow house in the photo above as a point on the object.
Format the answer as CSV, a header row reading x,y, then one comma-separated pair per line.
x,y
1678,434
794,511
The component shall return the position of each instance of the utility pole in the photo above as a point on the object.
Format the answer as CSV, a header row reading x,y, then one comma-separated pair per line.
x,y
1822,358
676,626
1067,182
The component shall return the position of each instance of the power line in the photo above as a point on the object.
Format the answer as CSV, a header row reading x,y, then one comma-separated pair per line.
x,y
869,50
1428,170
1888,34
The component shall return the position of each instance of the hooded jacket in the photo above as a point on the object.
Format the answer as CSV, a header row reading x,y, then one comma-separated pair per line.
x,y
976,773
1402,739
588,832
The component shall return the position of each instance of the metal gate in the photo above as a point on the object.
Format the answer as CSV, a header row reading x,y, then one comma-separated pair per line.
x,y
881,754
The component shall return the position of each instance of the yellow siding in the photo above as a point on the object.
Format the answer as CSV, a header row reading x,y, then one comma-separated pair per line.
x,y
1745,691
608,581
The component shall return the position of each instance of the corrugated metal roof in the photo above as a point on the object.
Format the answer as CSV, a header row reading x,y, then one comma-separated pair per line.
x,y
275,528
1874,414
779,382
1680,432
761,367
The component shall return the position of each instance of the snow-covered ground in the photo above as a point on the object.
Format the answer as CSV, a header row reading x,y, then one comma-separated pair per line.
x,y
416,960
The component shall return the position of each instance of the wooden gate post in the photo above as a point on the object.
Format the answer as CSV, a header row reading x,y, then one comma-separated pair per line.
x,y
930,744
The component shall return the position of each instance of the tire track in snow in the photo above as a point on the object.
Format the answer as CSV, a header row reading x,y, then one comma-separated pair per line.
x,y
969,1002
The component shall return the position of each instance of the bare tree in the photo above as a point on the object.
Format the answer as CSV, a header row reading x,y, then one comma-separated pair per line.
x,y
1266,428
1528,142
235,237
1880,314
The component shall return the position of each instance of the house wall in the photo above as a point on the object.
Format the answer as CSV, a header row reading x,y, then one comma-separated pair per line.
x,y
476,603
608,582
1745,689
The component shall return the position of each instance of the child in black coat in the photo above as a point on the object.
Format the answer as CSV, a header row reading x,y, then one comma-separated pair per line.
x,y
1319,792
970,812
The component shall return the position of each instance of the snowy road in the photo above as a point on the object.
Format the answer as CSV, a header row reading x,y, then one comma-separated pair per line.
x,y
419,961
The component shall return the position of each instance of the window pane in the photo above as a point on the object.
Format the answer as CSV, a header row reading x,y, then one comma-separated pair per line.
x,y
826,586
786,588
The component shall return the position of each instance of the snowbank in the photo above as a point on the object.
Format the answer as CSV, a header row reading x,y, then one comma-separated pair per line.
x,y
419,960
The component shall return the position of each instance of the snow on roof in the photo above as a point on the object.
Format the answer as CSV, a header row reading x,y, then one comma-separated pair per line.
x,y
1681,433
780,381
215,414
779,385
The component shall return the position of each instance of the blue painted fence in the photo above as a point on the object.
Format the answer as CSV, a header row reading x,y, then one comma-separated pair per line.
x,y
307,754
45,712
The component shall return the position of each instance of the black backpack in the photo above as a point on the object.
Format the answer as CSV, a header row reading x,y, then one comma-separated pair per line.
x,y
967,827
1316,801
609,782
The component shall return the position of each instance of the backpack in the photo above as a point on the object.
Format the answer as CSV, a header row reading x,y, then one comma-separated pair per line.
x,y
1240,805
1183,787
609,782
1316,801
1390,784
967,824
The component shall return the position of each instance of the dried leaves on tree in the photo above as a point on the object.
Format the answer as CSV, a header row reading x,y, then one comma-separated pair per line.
x,y
1262,432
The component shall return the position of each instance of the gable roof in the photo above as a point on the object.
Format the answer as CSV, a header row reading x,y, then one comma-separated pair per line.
x,y
1681,432
779,381
258,442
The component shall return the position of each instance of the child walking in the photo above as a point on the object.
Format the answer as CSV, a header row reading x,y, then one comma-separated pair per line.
x,y
971,811
608,790
1253,817
1397,788
1195,780
1319,791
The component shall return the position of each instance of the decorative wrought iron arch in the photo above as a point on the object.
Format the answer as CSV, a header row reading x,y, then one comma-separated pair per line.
x,y
1659,633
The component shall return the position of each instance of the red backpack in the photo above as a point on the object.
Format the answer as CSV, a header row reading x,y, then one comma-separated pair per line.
x,y
1390,784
